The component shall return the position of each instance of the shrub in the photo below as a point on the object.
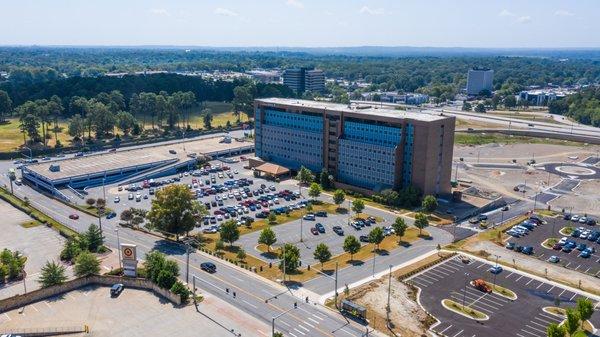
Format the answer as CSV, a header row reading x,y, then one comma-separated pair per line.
x,y
181,290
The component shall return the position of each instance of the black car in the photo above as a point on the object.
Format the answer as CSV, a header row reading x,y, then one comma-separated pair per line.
x,y
527,250
320,227
338,230
321,213
111,215
116,289
567,216
208,267
364,238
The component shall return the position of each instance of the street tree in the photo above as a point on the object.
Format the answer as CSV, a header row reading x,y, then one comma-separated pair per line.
x,y
90,201
127,216
339,196
555,330
314,191
241,254
572,321
93,238
229,232
585,308
304,175
376,235
290,258
399,227
480,107
429,203
86,264
322,254
358,205
351,245
267,237
172,210
272,218
325,179
5,105
421,221
52,274
207,118
467,106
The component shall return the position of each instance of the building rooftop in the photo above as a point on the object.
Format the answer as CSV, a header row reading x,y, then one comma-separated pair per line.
x,y
369,110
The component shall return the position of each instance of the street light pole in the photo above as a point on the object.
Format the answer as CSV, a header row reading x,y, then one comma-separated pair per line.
x,y
374,255
497,257
465,291
336,284
388,309
103,190
281,314
119,247
187,263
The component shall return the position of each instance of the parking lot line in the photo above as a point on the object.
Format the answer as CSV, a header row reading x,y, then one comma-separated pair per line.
x,y
562,292
447,268
507,276
566,265
541,283
458,333
528,282
449,326
517,280
430,277
587,270
481,265
572,297
549,290
300,332
535,328
419,284
529,332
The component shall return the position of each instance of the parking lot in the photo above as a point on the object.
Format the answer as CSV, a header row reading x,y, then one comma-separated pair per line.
x,y
522,317
572,258
132,313
39,244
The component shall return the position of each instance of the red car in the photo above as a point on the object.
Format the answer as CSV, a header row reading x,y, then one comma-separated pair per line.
x,y
314,231
74,216
557,247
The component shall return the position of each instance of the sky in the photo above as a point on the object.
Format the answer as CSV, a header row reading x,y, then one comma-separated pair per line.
x,y
303,23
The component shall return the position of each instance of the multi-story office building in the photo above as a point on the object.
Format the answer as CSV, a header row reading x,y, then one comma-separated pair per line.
x,y
478,80
304,79
366,148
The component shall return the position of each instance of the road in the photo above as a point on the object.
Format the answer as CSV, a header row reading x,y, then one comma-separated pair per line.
x,y
254,295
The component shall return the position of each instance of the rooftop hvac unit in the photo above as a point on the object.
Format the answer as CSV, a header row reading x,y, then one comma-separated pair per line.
x,y
54,168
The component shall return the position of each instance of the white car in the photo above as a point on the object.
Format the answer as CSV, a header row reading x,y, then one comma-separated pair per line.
x,y
575,218
117,199
562,240
235,171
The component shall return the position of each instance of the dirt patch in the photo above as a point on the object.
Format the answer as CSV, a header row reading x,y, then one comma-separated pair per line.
x,y
584,199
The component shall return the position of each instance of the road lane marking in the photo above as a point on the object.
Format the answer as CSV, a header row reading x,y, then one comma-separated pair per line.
x,y
303,327
300,332
317,317
458,333
312,320
250,304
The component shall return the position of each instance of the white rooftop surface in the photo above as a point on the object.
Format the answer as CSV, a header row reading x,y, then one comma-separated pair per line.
x,y
427,116
127,158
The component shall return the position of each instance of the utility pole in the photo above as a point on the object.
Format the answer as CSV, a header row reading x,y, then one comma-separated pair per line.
x,y
119,247
388,309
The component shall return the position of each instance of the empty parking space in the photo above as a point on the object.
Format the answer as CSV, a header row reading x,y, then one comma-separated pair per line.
x,y
522,317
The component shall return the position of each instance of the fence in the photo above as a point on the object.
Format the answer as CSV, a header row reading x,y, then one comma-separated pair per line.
x,y
105,280
53,331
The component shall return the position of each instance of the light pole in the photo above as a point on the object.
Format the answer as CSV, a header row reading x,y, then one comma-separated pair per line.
x,y
335,290
301,224
388,309
103,189
374,255
465,291
100,211
187,262
119,247
497,257
281,314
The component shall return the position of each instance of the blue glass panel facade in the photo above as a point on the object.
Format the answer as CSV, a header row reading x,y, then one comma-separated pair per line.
x,y
257,133
366,165
408,155
372,134
291,140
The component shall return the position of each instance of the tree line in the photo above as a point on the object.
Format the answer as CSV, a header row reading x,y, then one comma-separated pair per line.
x,y
583,106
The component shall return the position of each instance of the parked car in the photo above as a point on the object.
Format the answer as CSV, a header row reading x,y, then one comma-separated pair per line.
x,y
309,216
495,270
338,230
74,216
319,226
510,245
116,289
208,267
111,215
554,259
117,199
321,213
528,250
364,238
314,231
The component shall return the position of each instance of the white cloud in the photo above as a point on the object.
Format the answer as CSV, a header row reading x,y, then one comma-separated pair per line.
x,y
371,11
506,12
225,12
524,19
160,11
563,12
294,3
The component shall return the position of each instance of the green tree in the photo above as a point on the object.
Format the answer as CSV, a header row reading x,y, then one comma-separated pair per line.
x,y
304,175
429,203
154,263
314,191
125,122
166,279
376,235
127,216
172,210
5,105
322,254
358,205
207,119
399,227
555,330
93,238
572,321
272,218
70,250
325,179
180,289
267,237
76,127
467,106
241,255
52,274
510,102
339,196
229,232
480,108
290,257
243,100
90,201
351,245
219,246
585,309
421,221
86,264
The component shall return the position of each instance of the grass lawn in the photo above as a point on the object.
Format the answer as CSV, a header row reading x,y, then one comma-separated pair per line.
x,y
461,138
222,112
504,292
470,312
11,138
548,243
30,224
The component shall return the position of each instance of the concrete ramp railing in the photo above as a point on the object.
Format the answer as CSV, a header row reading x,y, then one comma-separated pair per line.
x,y
54,331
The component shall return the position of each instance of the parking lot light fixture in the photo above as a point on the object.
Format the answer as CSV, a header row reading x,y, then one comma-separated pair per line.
x,y
119,248
495,273
465,291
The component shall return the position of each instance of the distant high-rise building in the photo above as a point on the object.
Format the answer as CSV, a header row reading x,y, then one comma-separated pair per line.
x,y
303,79
478,80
